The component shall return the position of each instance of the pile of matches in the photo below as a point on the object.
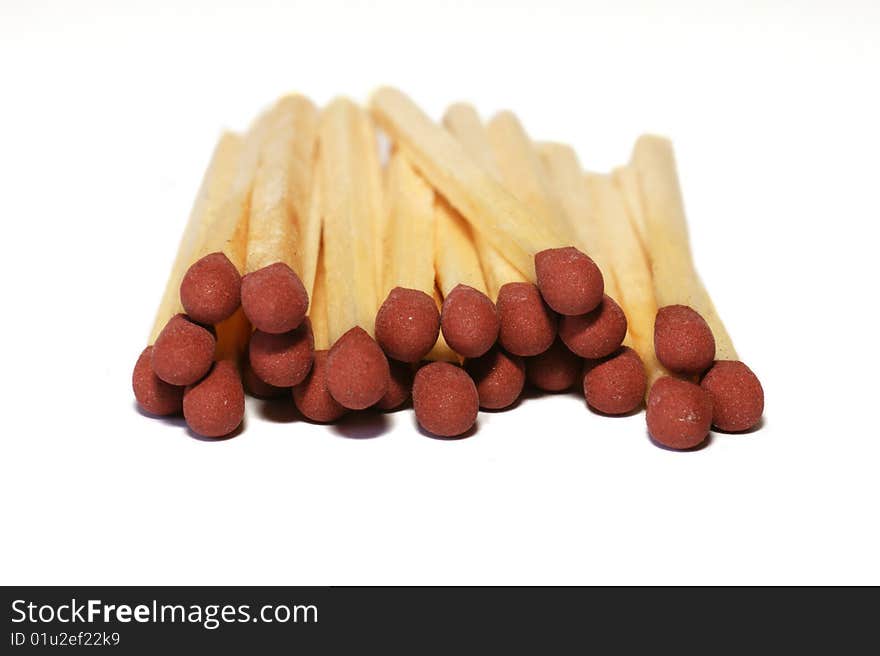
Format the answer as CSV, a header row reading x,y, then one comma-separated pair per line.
x,y
451,274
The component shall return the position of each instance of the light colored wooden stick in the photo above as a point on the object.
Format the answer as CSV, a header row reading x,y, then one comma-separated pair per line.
x,y
311,233
410,235
211,201
566,179
676,280
524,174
318,307
282,185
455,256
627,181
352,205
465,125
472,190
631,271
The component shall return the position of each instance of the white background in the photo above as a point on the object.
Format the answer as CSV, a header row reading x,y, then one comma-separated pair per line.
x,y
109,113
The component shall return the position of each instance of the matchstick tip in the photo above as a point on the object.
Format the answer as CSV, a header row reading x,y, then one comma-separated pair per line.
x,y
445,399
211,289
357,370
615,385
399,386
570,282
282,360
153,394
183,351
499,377
214,407
469,321
407,324
683,341
595,334
274,298
737,396
679,413
528,325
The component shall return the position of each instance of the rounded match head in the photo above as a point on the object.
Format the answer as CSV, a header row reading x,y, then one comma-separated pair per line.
x,y
152,393
257,387
469,321
617,384
399,386
274,298
683,340
407,324
499,378
358,374
313,399
528,325
555,370
679,413
569,281
282,360
737,395
214,407
595,334
183,352
211,289
445,399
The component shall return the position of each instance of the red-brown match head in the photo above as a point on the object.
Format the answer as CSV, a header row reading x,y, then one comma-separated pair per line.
x,y
499,377
274,298
313,399
152,393
569,281
595,334
183,352
469,321
399,386
683,340
616,385
257,387
211,289
528,325
679,413
737,395
357,370
282,360
555,370
214,407
407,324
445,399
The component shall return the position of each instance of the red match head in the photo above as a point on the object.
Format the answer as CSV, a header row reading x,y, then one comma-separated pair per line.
x,y
357,370
679,413
282,360
499,377
407,324
445,399
469,321
211,289
616,385
214,407
595,334
274,298
152,393
569,281
683,340
737,395
555,370
183,352
312,398
528,325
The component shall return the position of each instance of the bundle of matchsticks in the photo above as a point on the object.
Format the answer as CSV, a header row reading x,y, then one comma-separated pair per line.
x,y
472,262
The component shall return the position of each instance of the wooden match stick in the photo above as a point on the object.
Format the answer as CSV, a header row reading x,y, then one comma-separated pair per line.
x,y
408,323
357,370
463,122
273,295
736,392
679,412
468,318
